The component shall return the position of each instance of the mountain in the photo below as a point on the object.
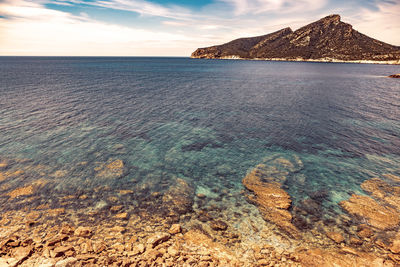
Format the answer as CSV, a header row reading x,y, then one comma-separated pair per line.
x,y
328,39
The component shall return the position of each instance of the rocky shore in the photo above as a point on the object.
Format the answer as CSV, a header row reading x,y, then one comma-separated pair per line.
x,y
135,225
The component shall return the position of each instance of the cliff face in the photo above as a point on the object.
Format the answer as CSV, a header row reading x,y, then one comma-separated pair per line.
x,y
327,38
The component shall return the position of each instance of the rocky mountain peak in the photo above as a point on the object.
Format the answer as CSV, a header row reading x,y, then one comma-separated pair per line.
x,y
335,18
327,39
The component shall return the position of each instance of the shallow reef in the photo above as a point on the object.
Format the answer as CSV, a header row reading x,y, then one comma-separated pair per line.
x,y
173,222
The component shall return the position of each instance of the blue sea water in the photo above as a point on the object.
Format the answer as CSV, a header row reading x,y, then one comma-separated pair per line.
x,y
206,121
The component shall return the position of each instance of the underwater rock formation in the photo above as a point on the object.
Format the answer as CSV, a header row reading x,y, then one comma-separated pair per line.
x,y
272,201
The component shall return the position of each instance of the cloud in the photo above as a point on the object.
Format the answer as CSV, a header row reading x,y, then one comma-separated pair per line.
x,y
243,7
382,23
31,29
27,27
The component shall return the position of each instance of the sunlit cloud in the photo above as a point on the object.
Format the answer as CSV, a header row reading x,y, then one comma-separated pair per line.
x,y
32,27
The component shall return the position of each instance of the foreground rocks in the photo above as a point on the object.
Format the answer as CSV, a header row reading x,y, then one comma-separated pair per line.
x,y
134,225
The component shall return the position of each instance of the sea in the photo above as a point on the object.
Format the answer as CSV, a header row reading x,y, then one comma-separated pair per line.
x,y
208,122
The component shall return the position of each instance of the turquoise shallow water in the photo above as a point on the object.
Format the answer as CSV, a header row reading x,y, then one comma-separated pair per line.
x,y
206,121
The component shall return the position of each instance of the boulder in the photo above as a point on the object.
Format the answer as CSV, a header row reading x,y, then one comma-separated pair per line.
x,y
158,239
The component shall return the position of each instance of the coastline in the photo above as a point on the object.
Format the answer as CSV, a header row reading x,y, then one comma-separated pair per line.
x,y
320,60
177,227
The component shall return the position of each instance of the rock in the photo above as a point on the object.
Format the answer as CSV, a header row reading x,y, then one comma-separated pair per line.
x,y
61,250
271,200
116,208
395,245
175,229
152,254
21,254
376,215
347,258
394,76
172,251
125,192
118,229
138,249
158,239
68,262
364,231
112,170
355,241
337,237
83,231
179,197
218,225
123,216
56,212
22,191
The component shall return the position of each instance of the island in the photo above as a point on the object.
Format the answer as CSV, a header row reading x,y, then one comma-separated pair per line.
x,y
326,40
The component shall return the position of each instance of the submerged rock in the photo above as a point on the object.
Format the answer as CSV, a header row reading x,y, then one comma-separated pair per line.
x,y
376,215
112,170
179,197
21,191
271,200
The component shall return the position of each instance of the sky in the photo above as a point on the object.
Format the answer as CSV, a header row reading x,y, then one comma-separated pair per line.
x,y
171,27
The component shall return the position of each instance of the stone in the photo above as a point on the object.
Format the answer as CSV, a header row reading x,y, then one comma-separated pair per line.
x,y
68,262
364,231
378,216
123,215
138,249
112,170
152,254
116,208
395,244
179,197
125,192
337,237
21,254
21,191
56,212
325,257
158,238
83,231
118,229
218,225
172,251
61,250
175,229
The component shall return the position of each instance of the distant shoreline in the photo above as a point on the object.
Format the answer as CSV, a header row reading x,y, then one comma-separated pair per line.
x,y
321,60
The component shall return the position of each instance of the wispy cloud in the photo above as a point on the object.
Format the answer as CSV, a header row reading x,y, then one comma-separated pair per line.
x,y
31,27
